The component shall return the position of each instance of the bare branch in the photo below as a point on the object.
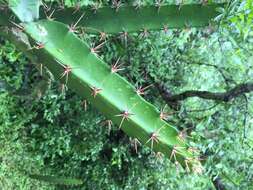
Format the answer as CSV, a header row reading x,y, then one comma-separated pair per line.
x,y
225,96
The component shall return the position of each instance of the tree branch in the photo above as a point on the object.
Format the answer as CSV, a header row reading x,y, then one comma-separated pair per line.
x,y
218,184
225,96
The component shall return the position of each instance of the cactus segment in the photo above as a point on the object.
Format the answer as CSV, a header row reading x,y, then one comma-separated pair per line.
x,y
128,19
116,98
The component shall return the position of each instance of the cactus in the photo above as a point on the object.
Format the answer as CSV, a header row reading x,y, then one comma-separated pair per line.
x,y
55,45
77,65
27,10
129,19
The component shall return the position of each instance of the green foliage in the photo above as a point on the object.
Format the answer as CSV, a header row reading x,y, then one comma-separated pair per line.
x,y
57,180
12,124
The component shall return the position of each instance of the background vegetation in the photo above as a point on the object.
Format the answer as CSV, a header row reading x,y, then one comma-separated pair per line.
x,y
46,131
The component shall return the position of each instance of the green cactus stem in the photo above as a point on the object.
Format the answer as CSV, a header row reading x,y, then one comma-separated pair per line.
x,y
28,10
75,64
129,19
